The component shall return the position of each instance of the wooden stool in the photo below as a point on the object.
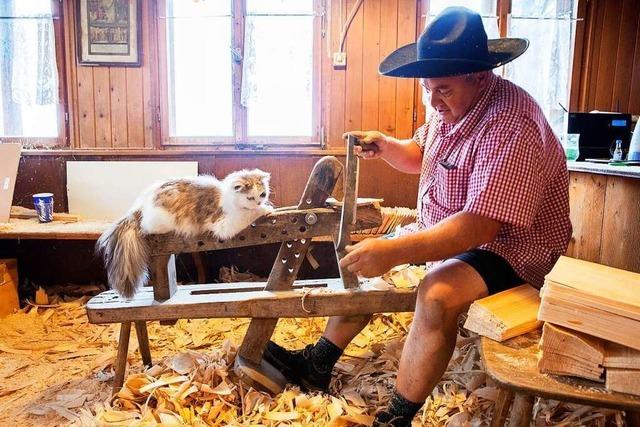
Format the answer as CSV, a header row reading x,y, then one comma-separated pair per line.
x,y
264,303
513,365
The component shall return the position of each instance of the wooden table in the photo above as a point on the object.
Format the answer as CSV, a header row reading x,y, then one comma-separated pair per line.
x,y
513,365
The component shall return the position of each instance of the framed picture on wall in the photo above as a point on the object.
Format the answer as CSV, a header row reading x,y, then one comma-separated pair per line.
x,y
108,32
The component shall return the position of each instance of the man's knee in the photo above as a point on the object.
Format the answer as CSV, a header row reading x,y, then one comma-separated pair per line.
x,y
448,290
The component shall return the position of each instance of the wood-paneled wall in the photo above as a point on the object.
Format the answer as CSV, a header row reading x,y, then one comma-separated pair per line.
x,y
358,97
604,215
607,57
116,107
112,107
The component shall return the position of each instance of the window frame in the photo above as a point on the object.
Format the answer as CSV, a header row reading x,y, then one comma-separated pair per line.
x,y
240,138
62,140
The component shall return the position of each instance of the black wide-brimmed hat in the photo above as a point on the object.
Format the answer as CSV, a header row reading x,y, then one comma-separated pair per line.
x,y
454,43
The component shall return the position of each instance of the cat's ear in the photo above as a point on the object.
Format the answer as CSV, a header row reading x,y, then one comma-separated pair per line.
x,y
238,187
265,176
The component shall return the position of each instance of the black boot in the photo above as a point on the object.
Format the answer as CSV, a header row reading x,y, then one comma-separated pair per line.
x,y
302,367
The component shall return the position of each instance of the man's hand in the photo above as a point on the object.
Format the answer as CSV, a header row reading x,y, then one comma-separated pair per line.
x,y
373,142
370,258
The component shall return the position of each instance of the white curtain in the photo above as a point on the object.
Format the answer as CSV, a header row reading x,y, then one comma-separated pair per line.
x,y
34,74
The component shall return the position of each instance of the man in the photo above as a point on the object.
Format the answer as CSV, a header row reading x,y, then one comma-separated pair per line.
x,y
493,204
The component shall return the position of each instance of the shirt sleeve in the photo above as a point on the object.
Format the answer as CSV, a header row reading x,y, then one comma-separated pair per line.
x,y
420,136
507,183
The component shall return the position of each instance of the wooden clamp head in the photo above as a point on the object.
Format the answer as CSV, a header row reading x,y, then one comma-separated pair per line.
x,y
349,206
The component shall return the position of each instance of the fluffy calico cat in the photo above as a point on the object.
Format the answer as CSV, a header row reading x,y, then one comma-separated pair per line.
x,y
187,207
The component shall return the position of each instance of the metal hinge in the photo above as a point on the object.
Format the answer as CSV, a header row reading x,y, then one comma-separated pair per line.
x,y
66,117
158,113
415,116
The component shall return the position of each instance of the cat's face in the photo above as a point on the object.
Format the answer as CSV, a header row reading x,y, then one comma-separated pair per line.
x,y
250,187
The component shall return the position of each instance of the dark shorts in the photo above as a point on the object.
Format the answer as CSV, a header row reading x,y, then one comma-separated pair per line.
x,y
495,270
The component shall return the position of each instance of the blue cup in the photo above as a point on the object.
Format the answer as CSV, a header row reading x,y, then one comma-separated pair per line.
x,y
43,203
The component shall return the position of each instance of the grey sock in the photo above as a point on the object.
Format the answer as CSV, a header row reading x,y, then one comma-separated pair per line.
x,y
399,413
324,355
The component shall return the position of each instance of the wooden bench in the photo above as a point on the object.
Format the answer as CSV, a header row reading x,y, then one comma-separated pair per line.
x,y
513,364
265,303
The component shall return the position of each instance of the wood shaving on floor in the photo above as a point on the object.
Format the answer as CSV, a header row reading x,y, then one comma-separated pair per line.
x,y
56,370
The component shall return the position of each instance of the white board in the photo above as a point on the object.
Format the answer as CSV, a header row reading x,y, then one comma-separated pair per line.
x,y
9,159
106,190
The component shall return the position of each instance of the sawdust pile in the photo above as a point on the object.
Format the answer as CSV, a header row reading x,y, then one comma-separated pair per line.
x,y
55,369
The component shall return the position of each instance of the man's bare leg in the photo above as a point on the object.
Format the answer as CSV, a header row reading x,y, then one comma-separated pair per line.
x,y
444,294
340,330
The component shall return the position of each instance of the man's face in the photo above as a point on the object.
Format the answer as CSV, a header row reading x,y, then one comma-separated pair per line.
x,y
452,97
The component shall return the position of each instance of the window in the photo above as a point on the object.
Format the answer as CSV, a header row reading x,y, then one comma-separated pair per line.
x,y
240,71
544,69
31,110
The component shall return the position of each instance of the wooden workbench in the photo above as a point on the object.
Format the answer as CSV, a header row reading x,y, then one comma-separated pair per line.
x,y
57,230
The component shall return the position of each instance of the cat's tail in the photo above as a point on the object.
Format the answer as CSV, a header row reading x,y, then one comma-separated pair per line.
x,y
125,254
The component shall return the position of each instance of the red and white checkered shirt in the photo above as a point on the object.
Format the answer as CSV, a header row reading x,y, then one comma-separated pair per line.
x,y
501,161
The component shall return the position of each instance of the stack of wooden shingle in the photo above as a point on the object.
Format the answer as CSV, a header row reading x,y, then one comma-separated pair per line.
x,y
593,324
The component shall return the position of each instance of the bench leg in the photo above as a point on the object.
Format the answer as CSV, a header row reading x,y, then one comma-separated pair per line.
x,y
501,410
143,342
521,411
632,418
121,358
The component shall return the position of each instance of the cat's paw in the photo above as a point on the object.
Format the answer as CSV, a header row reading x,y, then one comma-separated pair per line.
x,y
267,209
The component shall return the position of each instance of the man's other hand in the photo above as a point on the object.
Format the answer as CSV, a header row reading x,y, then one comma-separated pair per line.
x,y
373,143
370,258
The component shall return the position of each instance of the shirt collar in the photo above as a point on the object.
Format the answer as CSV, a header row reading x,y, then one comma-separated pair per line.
x,y
463,126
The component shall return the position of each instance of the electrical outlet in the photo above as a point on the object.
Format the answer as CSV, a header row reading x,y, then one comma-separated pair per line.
x,y
339,60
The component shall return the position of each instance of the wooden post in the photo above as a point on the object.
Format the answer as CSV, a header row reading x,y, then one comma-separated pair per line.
x,y
521,411
121,358
163,268
320,185
501,409
143,342
348,218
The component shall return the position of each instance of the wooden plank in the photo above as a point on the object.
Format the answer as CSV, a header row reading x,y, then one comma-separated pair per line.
x,y
86,108
524,376
255,304
135,108
590,320
405,87
623,380
353,88
102,106
619,356
579,53
143,343
594,61
586,201
274,228
370,62
625,54
293,175
506,314
608,60
634,101
336,98
119,106
620,229
388,43
566,352
613,286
